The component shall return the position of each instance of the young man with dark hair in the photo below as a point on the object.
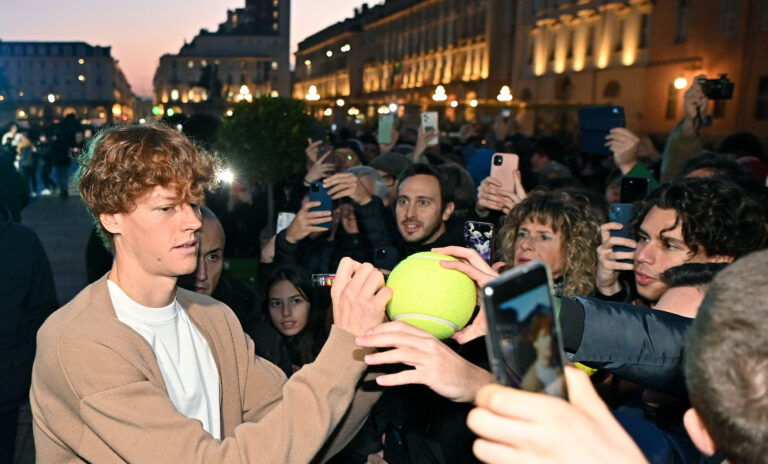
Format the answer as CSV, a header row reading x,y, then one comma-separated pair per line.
x,y
689,220
424,206
136,369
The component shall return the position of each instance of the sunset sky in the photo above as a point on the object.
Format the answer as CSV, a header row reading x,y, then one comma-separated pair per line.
x,y
140,31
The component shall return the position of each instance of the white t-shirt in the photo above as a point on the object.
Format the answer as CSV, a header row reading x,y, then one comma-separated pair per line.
x,y
185,360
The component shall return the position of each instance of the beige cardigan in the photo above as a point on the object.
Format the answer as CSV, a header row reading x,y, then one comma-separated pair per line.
x,y
98,395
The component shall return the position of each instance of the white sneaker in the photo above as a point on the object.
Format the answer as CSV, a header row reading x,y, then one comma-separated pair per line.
x,y
45,192
34,194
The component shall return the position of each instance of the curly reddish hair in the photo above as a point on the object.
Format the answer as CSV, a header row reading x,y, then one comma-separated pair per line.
x,y
125,161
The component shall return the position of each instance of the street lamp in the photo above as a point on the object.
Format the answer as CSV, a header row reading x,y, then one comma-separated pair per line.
x,y
505,95
51,98
473,103
312,95
340,102
440,94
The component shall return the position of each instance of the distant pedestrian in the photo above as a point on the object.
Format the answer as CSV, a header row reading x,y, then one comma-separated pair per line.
x,y
44,155
61,161
27,155
29,297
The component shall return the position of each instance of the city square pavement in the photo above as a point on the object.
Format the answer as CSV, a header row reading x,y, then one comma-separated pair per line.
x,y
63,226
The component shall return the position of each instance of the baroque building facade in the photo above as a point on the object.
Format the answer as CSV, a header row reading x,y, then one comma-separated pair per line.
x,y
247,57
402,50
42,82
554,56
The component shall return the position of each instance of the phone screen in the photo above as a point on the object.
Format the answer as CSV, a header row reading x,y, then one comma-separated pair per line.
x,y
523,333
386,123
479,236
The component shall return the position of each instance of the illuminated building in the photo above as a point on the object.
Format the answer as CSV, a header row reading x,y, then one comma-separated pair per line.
x,y
570,54
632,53
247,57
402,50
41,82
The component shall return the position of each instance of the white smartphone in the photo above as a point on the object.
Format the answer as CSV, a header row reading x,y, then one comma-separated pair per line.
x,y
284,219
429,122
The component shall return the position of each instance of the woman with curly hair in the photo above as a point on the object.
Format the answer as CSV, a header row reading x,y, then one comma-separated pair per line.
x,y
561,231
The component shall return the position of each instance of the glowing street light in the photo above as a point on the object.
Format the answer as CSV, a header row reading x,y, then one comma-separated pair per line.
x,y
440,94
383,109
473,103
340,102
328,112
504,95
392,107
454,104
681,83
51,98
352,111
312,95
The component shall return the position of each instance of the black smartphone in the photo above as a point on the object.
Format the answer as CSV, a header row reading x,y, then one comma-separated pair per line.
x,y
481,237
319,193
385,258
394,447
622,213
524,344
634,189
595,123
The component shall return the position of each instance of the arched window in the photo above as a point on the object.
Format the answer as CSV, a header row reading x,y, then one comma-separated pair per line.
x,y
612,90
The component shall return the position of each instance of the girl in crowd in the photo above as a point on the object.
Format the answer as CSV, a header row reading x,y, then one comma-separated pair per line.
x,y
560,230
294,309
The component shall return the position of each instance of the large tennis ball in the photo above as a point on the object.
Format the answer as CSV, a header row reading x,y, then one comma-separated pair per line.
x,y
430,297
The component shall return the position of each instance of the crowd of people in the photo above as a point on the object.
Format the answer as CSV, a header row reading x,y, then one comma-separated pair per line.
x,y
168,348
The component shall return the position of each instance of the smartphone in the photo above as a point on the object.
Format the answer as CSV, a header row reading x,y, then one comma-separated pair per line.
x,y
622,213
386,123
323,280
595,123
481,237
394,447
503,167
319,193
524,344
634,189
429,122
385,258
284,219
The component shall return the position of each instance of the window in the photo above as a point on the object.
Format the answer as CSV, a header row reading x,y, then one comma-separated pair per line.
x,y
761,109
671,113
729,17
619,37
765,15
645,30
612,89
683,19
590,39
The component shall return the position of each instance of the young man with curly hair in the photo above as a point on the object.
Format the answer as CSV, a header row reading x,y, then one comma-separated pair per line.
x,y
135,369
694,220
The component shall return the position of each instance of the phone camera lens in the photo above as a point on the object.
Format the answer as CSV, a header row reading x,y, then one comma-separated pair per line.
x,y
315,188
497,160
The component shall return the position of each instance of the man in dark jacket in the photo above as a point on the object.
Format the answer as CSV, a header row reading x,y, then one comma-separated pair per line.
x,y
29,297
